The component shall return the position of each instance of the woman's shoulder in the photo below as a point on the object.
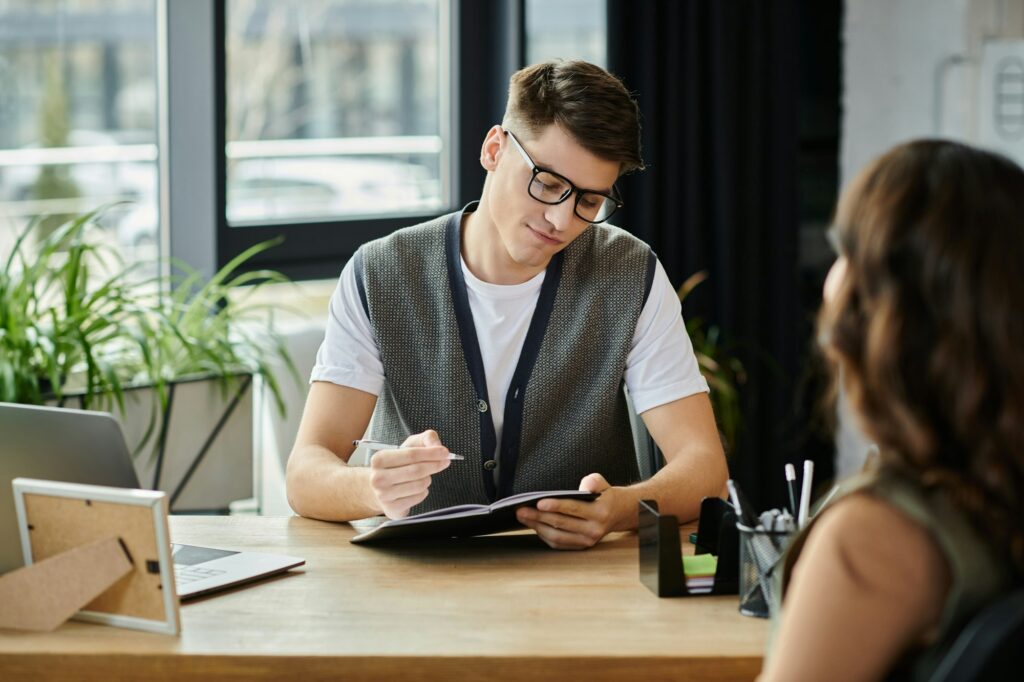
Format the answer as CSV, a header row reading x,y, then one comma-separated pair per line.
x,y
867,586
876,547
863,507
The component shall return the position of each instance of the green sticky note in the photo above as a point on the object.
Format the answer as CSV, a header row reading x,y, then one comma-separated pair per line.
x,y
699,565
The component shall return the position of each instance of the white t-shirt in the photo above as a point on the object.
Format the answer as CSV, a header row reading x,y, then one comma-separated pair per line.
x,y
660,366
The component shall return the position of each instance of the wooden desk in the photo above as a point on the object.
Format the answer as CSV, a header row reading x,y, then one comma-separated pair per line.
x,y
497,608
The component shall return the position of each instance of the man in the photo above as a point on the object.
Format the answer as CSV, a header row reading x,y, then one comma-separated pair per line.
x,y
504,333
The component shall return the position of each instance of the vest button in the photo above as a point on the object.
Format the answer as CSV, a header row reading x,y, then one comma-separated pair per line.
x,y
490,465
481,405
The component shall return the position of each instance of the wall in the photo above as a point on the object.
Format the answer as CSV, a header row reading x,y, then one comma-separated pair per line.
x,y
913,68
920,68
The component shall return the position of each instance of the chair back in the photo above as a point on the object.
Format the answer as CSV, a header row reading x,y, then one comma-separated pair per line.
x,y
648,456
991,647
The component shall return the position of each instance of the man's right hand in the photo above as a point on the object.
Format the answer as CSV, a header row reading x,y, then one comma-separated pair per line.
x,y
400,478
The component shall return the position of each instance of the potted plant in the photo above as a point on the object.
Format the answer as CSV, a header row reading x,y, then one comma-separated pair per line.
x,y
174,357
720,368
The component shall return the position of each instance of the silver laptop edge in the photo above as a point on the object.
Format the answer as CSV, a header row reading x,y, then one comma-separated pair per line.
x,y
82,446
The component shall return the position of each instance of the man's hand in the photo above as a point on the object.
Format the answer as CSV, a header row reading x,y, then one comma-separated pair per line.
x,y
572,524
400,479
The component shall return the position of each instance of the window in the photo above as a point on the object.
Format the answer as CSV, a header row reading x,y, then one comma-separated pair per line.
x,y
342,93
78,118
336,118
568,29
341,121
332,122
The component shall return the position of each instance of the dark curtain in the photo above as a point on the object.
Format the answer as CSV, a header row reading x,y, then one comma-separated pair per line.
x,y
717,83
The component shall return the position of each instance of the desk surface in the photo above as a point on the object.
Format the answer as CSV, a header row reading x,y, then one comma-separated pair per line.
x,y
495,608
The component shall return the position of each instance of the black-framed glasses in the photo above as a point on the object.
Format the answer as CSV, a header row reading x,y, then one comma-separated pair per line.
x,y
548,187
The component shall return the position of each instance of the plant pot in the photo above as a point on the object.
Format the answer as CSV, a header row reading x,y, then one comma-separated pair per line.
x,y
201,449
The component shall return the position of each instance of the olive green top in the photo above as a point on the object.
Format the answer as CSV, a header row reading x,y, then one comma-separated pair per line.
x,y
977,574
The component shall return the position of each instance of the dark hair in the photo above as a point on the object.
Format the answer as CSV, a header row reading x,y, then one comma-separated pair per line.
x,y
589,103
926,328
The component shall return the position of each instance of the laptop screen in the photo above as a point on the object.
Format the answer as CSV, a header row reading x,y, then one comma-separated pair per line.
x,y
56,444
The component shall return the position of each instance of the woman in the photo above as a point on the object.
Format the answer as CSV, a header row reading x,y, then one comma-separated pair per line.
x,y
924,321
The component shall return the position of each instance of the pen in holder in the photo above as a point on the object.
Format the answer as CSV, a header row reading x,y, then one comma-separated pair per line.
x,y
760,556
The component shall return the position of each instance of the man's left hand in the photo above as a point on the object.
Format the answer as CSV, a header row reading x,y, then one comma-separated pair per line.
x,y
572,524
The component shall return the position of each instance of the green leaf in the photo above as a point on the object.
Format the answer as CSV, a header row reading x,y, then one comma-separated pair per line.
x,y
73,311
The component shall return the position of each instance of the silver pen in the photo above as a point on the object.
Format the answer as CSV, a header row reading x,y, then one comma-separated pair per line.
x,y
375,445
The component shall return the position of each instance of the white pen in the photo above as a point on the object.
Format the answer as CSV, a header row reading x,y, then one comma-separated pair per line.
x,y
805,493
791,484
375,445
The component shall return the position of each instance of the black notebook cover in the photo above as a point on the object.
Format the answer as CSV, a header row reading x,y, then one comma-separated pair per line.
x,y
465,520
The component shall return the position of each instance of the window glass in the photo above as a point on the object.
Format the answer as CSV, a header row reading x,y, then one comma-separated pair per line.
x,y
78,118
567,29
334,109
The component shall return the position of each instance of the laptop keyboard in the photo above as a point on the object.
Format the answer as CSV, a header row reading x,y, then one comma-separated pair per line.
x,y
189,574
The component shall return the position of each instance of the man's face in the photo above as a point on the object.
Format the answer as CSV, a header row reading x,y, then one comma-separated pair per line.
x,y
531,232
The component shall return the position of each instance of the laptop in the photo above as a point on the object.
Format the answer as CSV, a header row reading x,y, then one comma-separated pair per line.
x,y
80,446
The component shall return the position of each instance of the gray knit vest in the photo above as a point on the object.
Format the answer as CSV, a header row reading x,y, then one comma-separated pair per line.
x,y
565,412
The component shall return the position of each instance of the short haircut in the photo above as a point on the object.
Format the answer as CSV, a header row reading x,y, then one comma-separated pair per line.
x,y
587,102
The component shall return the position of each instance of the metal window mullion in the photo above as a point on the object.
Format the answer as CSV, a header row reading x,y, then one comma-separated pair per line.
x,y
186,129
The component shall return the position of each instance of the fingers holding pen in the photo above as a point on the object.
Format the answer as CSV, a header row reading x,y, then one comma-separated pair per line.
x,y
400,476
404,468
409,456
418,487
398,489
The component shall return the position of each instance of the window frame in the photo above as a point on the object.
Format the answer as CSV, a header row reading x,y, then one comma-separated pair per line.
x,y
486,44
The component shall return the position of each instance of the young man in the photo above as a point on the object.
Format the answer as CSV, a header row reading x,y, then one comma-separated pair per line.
x,y
505,332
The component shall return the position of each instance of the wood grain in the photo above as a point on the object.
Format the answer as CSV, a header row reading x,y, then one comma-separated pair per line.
x,y
495,608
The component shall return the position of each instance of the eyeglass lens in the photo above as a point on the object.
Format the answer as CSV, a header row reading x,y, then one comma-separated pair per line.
x,y
552,189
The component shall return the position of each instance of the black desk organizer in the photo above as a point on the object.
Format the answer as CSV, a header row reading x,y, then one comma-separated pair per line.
x,y
661,563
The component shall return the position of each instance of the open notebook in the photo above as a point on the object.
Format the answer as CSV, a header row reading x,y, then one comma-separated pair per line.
x,y
465,520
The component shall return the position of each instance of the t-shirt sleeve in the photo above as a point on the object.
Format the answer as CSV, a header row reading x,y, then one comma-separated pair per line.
x,y
869,584
661,366
349,355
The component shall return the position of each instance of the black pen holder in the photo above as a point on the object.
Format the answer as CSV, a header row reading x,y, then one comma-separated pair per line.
x,y
661,557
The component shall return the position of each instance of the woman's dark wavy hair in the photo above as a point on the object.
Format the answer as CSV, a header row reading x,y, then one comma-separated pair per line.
x,y
926,328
